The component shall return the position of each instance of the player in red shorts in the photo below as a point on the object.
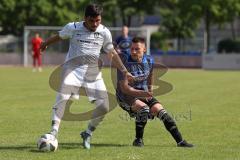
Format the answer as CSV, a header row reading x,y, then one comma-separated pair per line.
x,y
36,54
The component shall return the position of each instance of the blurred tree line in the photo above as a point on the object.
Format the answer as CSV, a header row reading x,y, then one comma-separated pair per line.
x,y
179,18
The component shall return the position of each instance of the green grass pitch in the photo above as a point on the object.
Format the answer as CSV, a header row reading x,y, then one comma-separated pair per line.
x,y
205,105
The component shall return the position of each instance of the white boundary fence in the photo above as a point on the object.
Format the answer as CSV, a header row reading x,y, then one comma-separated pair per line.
x,y
221,61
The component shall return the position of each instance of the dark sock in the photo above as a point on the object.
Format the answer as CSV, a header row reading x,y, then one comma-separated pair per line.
x,y
170,125
91,128
140,129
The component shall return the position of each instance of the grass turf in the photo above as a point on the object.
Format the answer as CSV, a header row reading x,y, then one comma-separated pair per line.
x,y
205,105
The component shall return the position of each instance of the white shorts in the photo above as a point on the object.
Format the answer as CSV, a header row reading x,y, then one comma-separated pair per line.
x,y
76,81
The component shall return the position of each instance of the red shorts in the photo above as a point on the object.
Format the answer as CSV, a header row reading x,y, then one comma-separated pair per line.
x,y
37,59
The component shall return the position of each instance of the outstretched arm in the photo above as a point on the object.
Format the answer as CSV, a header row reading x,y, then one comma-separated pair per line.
x,y
117,62
49,41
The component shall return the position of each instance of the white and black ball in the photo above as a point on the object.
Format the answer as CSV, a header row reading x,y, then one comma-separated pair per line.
x,y
47,143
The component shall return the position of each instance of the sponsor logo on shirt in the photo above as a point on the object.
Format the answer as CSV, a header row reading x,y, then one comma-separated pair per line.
x,y
96,34
89,42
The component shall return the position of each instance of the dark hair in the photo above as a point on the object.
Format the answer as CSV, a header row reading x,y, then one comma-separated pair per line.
x,y
93,10
139,39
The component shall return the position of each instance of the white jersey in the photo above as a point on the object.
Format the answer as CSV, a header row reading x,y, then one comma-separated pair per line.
x,y
85,47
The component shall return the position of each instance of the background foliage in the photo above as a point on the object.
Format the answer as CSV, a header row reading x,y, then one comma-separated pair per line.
x,y
179,18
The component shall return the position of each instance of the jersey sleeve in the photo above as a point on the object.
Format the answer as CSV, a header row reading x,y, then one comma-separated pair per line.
x,y
67,31
107,44
40,40
150,60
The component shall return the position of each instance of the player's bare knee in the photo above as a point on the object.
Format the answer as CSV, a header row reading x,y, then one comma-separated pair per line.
x,y
138,105
155,109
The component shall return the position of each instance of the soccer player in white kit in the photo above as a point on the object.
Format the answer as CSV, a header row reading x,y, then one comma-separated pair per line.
x,y
81,68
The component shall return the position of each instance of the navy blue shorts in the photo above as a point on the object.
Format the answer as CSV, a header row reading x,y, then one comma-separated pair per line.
x,y
126,105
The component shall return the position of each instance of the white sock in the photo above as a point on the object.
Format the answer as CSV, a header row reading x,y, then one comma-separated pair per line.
x,y
55,122
55,125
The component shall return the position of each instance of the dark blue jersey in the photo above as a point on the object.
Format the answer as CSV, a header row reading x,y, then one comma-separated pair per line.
x,y
124,44
140,71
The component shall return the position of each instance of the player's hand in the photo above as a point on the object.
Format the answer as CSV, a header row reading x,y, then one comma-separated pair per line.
x,y
43,46
149,98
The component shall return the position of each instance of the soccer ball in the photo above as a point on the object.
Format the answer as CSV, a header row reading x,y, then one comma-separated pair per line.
x,y
47,143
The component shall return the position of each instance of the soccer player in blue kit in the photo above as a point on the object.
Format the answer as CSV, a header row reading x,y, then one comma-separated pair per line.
x,y
136,96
